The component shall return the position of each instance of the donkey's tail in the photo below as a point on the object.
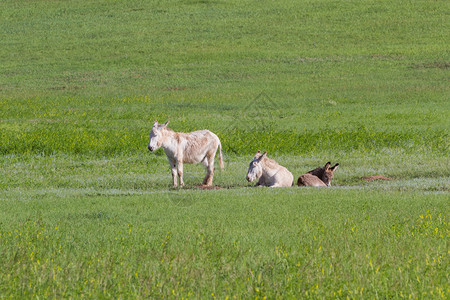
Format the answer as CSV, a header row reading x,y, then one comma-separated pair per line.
x,y
220,156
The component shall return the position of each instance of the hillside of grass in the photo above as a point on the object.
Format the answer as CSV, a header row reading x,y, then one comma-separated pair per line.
x,y
92,76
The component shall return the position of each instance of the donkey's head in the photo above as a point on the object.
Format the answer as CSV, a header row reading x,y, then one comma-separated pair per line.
x,y
156,136
255,168
319,171
328,173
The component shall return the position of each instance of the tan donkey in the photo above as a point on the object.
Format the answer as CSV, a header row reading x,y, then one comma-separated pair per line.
x,y
319,177
191,148
268,172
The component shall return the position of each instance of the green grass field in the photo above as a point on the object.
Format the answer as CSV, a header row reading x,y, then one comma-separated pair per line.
x,y
86,211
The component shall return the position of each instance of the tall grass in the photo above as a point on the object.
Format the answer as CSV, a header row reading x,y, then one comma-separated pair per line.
x,y
227,244
81,139
121,125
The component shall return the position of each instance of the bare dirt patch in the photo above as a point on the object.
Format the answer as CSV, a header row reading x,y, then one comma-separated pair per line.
x,y
443,65
377,177
208,187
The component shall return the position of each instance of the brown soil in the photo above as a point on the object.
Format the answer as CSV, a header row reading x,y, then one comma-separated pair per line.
x,y
208,187
370,178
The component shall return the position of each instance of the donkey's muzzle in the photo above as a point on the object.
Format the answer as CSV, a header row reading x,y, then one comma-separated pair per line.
x,y
150,148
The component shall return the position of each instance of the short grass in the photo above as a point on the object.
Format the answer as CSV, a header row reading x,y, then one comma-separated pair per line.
x,y
87,211
140,174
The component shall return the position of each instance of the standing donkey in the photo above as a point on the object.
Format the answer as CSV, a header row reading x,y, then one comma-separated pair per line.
x,y
319,177
268,172
194,147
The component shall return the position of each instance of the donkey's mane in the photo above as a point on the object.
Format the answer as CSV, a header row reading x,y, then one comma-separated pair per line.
x,y
270,163
169,130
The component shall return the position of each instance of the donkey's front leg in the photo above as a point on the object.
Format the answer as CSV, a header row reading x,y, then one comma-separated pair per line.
x,y
275,185
261,182
180,172
173,167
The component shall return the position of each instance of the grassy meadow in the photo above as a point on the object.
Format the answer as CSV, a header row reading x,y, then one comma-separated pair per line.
x,y
86,211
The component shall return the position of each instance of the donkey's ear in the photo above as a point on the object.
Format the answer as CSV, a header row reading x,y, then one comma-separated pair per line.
x,y
334,168
264,154
327,165
165,124
155,123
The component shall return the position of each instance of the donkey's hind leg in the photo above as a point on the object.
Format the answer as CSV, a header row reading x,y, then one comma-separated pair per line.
x,y
209,164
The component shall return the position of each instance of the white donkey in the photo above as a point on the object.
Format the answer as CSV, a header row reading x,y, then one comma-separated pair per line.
x,y
319,177
194,147
268,172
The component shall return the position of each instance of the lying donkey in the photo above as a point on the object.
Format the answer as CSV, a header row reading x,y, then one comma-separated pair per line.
x,y
318,177
194,147
268,172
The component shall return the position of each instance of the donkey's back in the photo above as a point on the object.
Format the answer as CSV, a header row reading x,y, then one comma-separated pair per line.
x,y
199,146
310,180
